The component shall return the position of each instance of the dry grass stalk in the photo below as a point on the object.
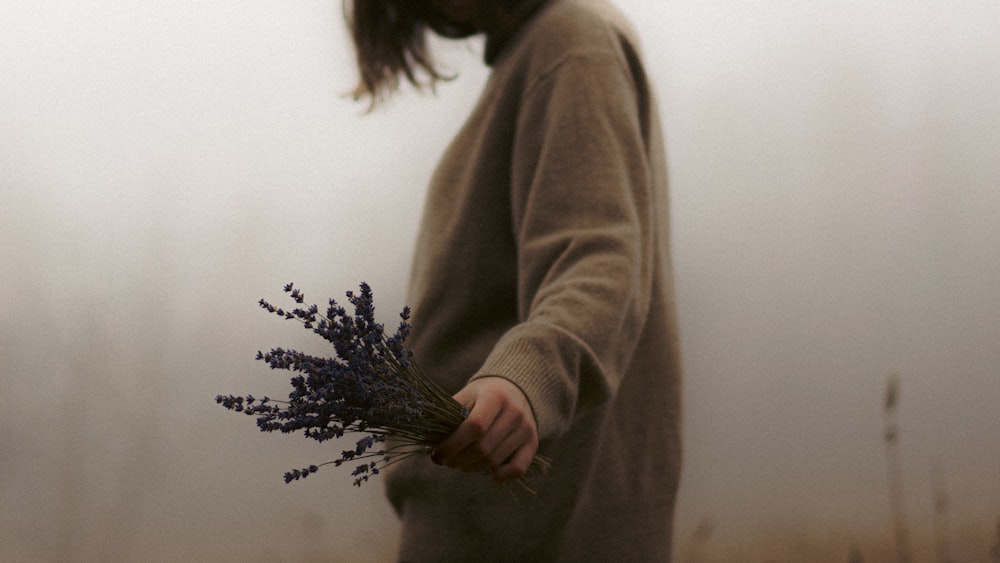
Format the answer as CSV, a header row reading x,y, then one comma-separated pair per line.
x,y
896,504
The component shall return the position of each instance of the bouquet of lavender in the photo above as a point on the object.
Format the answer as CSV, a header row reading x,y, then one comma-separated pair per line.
x,y
372,386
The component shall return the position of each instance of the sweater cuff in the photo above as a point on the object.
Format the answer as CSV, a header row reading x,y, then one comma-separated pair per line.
x,y
533,364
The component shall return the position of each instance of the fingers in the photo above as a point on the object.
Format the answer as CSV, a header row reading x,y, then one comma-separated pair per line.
x,y
456,450
513,456
518,464
499,435
506,435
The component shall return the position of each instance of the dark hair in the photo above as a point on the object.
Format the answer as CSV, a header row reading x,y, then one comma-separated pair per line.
x,y
390,40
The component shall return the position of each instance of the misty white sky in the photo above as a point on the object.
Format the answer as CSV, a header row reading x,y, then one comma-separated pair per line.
x,y
165,164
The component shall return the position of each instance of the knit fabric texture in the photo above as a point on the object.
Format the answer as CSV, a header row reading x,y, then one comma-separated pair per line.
x,y
543,258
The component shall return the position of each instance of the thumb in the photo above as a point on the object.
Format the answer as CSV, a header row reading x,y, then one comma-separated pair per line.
x,y
466,397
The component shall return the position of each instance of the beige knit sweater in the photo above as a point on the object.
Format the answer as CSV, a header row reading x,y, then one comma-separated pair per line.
x,y
543,259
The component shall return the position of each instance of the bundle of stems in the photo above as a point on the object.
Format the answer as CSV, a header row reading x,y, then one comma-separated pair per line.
x,y
371,386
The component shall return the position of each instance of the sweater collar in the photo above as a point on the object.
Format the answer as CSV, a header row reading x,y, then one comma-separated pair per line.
x,y
523,13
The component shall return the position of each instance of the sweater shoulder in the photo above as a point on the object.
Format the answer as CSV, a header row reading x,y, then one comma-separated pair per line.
x,y
567,29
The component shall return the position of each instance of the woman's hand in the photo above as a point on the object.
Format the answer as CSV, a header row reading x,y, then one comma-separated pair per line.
x,y
499,435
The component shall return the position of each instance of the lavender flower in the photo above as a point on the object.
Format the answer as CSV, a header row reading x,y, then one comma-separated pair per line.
x,y
371,386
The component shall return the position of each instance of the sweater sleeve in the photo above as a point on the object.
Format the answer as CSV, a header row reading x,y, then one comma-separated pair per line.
x,y
581,205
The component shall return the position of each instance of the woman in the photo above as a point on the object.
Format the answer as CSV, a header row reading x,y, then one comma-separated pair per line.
x,y
541,288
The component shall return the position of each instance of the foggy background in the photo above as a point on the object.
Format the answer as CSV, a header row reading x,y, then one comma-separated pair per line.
x,y
165,164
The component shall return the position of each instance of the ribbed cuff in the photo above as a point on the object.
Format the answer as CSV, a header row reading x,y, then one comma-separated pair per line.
x,y
531,358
